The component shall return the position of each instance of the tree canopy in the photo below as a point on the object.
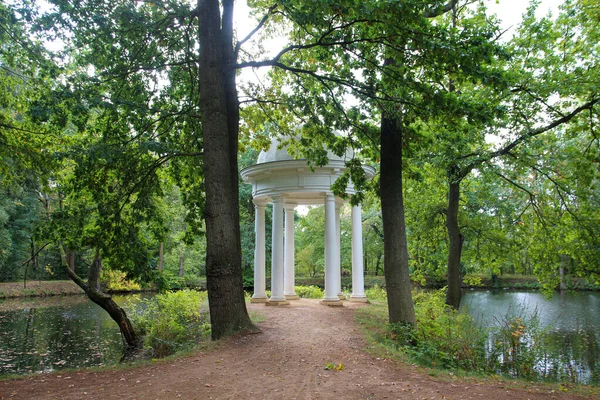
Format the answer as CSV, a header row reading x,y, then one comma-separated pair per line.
x,y
123,125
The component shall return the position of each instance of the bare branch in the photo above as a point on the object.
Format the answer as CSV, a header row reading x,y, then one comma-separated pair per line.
x,y
262,23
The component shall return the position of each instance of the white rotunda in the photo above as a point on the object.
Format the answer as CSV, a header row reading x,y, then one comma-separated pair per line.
x,y
286,182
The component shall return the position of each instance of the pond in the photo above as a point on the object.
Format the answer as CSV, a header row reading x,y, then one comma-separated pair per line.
x,y
46,334
569,324
50,333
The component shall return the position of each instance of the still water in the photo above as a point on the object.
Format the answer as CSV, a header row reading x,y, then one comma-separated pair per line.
x,y
46,334
570,323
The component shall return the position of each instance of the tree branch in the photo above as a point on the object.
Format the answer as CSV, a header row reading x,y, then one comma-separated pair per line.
x,y
262,23
36,253
437,11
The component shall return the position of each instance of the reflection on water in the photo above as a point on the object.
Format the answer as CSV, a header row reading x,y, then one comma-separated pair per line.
x,y
570,349
45,334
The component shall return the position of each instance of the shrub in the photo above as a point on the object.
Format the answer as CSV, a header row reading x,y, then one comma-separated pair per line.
x,y
376,293
171,321
116,281
445,337
517,346
309,292
472,281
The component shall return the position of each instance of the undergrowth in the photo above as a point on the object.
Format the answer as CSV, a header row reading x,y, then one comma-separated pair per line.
x,y
171,321
517,346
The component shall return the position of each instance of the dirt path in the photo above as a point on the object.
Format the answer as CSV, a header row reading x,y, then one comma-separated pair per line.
x,y
286,361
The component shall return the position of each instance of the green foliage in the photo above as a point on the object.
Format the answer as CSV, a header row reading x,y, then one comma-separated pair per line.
x,y
171,321
376,293
518,342
116,281
309,292
516,346
445,337
472,281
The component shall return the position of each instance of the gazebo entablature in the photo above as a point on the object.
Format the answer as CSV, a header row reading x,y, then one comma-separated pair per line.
x,y
286,183
295,181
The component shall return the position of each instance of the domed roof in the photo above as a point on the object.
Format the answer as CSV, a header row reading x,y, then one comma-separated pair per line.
x,y
278,153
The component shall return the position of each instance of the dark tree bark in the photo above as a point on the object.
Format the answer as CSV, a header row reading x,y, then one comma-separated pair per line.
x,y
453,294
219,113
91,289
395,263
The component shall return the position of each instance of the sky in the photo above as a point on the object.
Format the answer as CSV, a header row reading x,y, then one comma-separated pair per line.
x,y
509,11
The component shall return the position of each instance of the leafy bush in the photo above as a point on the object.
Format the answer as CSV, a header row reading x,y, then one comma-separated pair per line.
x,y
171,321
116,281
376,293
445,337
168,280
472,281
517,346
309,292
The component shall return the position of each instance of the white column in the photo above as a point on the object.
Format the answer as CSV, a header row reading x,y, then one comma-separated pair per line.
x,y
358,280
277,296
331,277
260,295
289,290
338,261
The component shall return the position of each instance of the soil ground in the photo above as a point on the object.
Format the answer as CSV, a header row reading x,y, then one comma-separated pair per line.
x,y
285,361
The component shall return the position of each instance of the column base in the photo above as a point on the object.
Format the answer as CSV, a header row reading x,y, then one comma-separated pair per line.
x,y
292,297
359,299
277,303
258,300
331,303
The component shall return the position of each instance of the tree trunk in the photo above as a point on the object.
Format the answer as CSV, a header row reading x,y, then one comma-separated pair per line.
x,y
453,293
561,271
161,256
34,256
130,338
181,260
220,123
378,264
395,262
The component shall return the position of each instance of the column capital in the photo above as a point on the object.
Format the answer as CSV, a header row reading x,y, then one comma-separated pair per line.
x,y
328,196
259,203
290,206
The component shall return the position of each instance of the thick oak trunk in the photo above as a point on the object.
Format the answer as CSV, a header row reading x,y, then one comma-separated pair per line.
x,y
453,294
220,117
395,263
